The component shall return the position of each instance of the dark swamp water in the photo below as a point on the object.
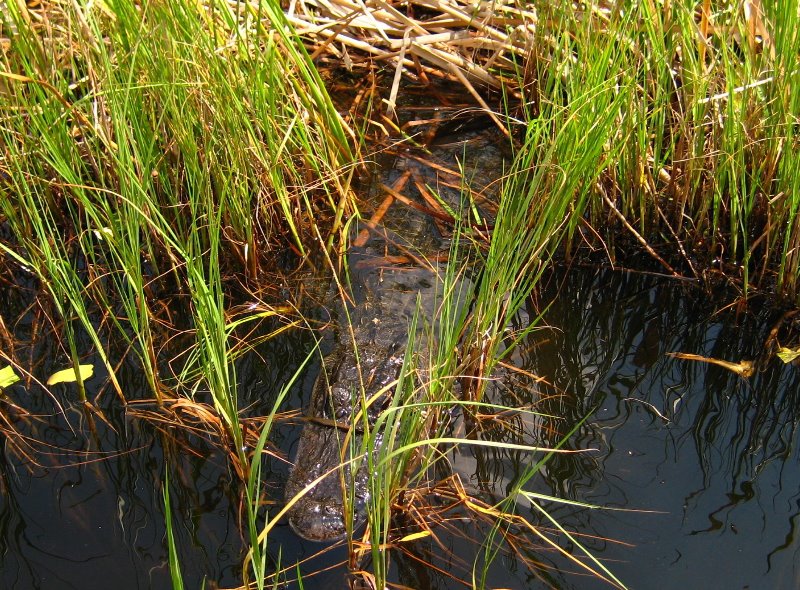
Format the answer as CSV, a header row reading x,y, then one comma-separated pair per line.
x,y
704,463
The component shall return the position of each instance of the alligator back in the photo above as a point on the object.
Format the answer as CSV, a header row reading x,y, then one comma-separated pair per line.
x,y
362,370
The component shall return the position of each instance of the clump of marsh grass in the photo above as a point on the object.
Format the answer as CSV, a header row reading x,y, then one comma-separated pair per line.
x,y
160,149
706,175
698,169
154,157
407,447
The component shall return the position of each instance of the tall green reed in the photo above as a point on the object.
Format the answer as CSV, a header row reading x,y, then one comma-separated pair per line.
x,y
172,548
163,143
568,144
706,175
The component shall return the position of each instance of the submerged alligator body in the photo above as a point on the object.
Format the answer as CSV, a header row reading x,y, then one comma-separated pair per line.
x,y
372,338
371,344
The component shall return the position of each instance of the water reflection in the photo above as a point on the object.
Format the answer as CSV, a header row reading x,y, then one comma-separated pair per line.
x,y
714,454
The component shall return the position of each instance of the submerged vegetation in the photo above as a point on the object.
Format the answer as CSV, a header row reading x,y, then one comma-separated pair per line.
x,y
163,163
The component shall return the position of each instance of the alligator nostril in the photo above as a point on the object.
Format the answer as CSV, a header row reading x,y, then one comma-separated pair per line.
x,y
315,521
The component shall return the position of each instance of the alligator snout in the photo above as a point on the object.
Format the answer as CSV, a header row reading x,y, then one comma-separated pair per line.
x,y
319,514
317,521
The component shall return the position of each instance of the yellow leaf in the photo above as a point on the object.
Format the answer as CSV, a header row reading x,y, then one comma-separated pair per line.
x,y
8,377
69,375
415,536
787,355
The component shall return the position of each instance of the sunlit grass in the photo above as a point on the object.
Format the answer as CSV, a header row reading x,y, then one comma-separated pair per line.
x,y
408,447
698,160
159,154
155,156
166,148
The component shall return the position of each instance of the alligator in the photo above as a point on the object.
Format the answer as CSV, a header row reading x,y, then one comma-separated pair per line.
x,y
372,339
367,358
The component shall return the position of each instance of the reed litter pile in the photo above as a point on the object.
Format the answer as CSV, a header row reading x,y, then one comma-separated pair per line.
x,y
482,45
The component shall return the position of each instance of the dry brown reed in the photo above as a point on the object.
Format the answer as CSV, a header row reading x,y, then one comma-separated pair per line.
x,y
476,44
